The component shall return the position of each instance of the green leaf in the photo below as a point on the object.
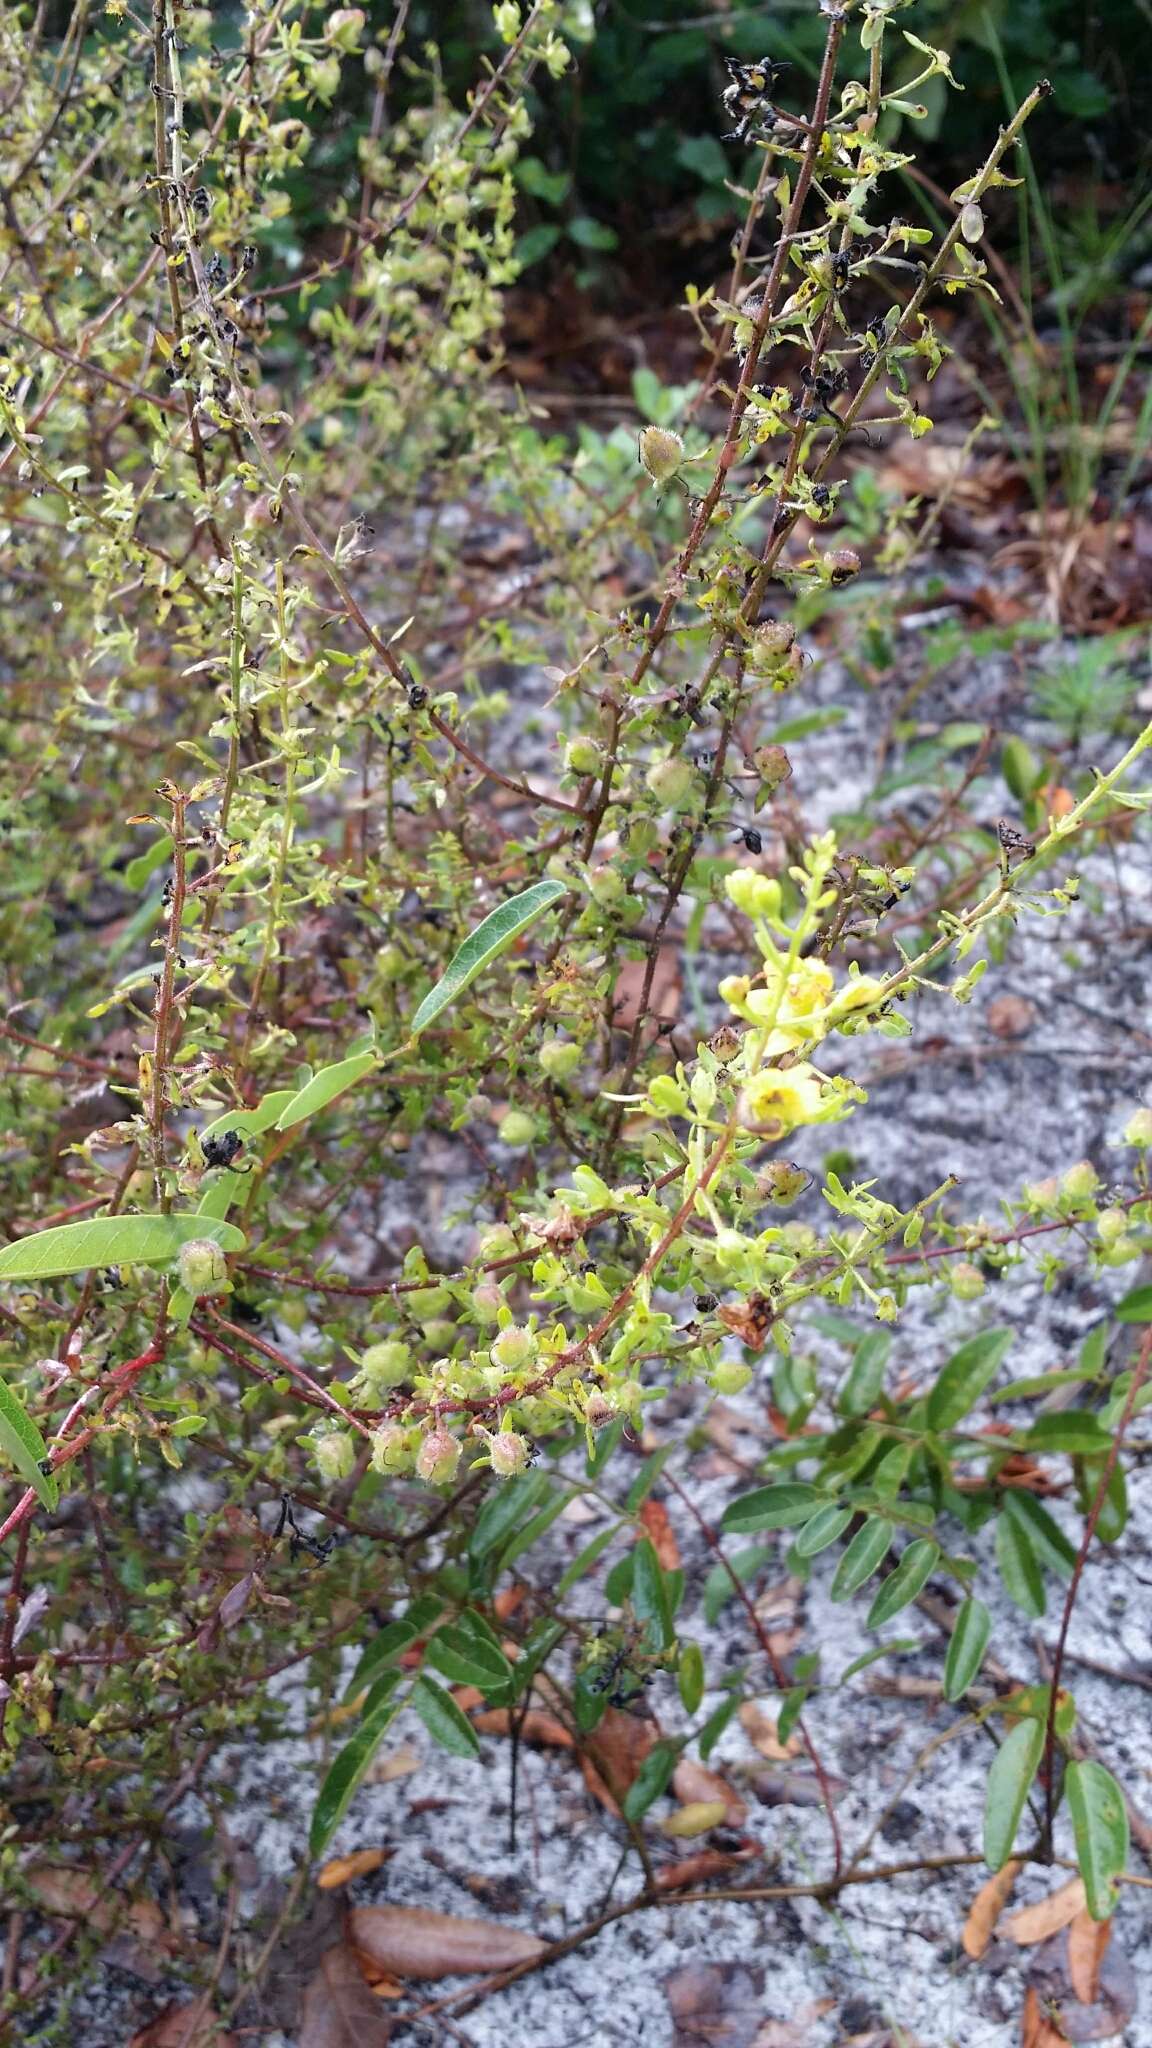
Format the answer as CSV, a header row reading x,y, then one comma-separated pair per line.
x,y
1113,1517
443,1719
1100,1826
651,1779
864,1555
1009,1781
651,1602
144,864
111,1241
251,1122
1135,1307
345,1774
1019,1568
965,1377
324,1087
864,1379
646,1478
824,1528
715,1725
1044,1533
532,1531
966,1649
690,1676
467,1653
1073,1429
900,1588
899,1647
583,1562
22,1442
718,1587
1037,1383
791,1708
392,1641
493,936
510,1503
770,1507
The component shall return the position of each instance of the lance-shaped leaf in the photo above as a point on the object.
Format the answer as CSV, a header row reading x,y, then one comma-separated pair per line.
x,y
493,936
966,1650
965,1377
111,1241
1009,1782
916,1565
1100,1826
21,1441
346,1772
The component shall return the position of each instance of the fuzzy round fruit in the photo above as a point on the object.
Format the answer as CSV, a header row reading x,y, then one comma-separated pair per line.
x,y
335,1455
670,782
438,1457
516,1129
514,1348
385,1365
730,1376
202,1267
559,1058
508,1452
661,453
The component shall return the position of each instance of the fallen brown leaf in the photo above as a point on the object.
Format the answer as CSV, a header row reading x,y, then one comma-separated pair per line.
x,y
761,1732
1036,1923
986,1909
412,1941
184,2026
616,1749
77,1894
661,1535
339,2010
693,1784
1038,2031
1087,1942
399,1764
536,1726
694,1870
1010,1016
343,1869
664,997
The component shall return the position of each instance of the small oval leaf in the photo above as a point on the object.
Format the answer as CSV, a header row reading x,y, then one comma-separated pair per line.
x,y
1019,1569
824,1528
690,1677
966,1649
111,1241
1009,1781
492,936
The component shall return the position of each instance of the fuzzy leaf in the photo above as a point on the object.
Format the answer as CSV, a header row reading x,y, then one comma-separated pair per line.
x,y
493,936
111,1241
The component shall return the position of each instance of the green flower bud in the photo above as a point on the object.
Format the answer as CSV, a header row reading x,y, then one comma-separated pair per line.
x,y
559,1058
440,1334
508,1452
1081,1181
1111,1225
390,964
583,756
756,895
967,1281
730,1376
390,1451
344,27
513,1348
1138,1129
516,1129
385,1365
425,1302
661,453
670,782
606,886
497,1242
334,1454
487,1301
438,1458
202,1267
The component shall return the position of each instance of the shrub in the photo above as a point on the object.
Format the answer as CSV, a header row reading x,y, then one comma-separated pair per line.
x,y
329,856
